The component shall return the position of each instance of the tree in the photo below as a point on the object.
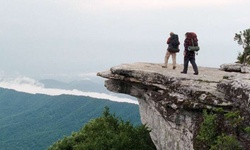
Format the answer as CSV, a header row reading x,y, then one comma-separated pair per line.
x,y
243,38
107,133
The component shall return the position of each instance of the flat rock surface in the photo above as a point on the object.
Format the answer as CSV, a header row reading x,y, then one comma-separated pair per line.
x,y
212,86
205,73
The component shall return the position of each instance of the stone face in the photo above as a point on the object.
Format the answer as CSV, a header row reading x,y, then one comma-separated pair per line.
x,y
171,103
172,131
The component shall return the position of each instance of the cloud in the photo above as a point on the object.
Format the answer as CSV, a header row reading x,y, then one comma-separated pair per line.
x,y
70,76
28,85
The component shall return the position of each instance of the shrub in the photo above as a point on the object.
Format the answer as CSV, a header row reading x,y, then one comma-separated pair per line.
x,y
107,133
226,142
207,133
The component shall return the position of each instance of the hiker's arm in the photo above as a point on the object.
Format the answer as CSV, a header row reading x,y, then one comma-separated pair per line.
x,y
168,41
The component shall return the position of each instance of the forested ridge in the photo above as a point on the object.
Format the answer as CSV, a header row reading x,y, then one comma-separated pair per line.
x,y
35,121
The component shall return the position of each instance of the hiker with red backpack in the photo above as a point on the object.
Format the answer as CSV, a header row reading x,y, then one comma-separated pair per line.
x,y
191,46
173,48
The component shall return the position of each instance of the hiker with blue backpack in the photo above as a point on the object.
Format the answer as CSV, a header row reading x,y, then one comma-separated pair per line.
x,y
173,48
191,47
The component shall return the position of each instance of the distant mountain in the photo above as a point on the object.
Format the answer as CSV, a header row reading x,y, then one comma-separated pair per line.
x,y
82,85
35,121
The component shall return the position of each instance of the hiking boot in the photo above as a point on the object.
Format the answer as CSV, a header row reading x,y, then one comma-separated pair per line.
x,y
174,67
196,73
184,72
164,66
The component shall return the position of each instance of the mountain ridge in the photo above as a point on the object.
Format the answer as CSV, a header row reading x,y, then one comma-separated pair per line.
x,y
35,121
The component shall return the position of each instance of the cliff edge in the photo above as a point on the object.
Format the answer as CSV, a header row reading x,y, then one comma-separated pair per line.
x,y
171,103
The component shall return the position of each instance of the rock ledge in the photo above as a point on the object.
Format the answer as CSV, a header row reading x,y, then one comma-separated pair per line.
x,y
171,103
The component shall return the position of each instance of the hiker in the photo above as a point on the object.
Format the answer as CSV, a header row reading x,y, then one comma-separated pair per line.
x,y
191,40
173,48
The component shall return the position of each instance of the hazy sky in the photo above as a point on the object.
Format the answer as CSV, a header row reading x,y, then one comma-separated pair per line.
x,y
42,38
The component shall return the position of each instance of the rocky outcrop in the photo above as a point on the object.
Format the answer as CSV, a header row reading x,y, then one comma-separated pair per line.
x,y
171,103
235,67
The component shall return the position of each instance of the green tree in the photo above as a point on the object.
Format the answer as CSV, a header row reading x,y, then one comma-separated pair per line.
x,y
226,142
107,133
208,130
221,130
243,38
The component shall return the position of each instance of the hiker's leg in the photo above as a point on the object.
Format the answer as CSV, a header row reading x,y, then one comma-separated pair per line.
x,y
186,60
192,60
166,58
174,59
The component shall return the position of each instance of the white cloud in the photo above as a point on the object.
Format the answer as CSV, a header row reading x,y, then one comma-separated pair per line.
x,y
27,85
67,77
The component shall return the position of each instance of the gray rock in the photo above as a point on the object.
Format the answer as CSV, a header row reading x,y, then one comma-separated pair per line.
x,y
235,67
171,103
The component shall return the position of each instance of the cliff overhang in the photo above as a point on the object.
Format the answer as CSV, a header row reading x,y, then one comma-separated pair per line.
x,y
176,99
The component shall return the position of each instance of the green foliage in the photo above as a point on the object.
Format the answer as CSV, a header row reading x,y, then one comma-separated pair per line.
x,y
214,135
234,118
220,110
241,58
107,133
226,142
207,133
243,38
247,130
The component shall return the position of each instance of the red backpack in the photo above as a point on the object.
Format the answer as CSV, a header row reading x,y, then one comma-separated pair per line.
x,y
193,36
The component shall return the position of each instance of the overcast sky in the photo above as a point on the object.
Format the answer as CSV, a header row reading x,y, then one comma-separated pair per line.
x,y
39,38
